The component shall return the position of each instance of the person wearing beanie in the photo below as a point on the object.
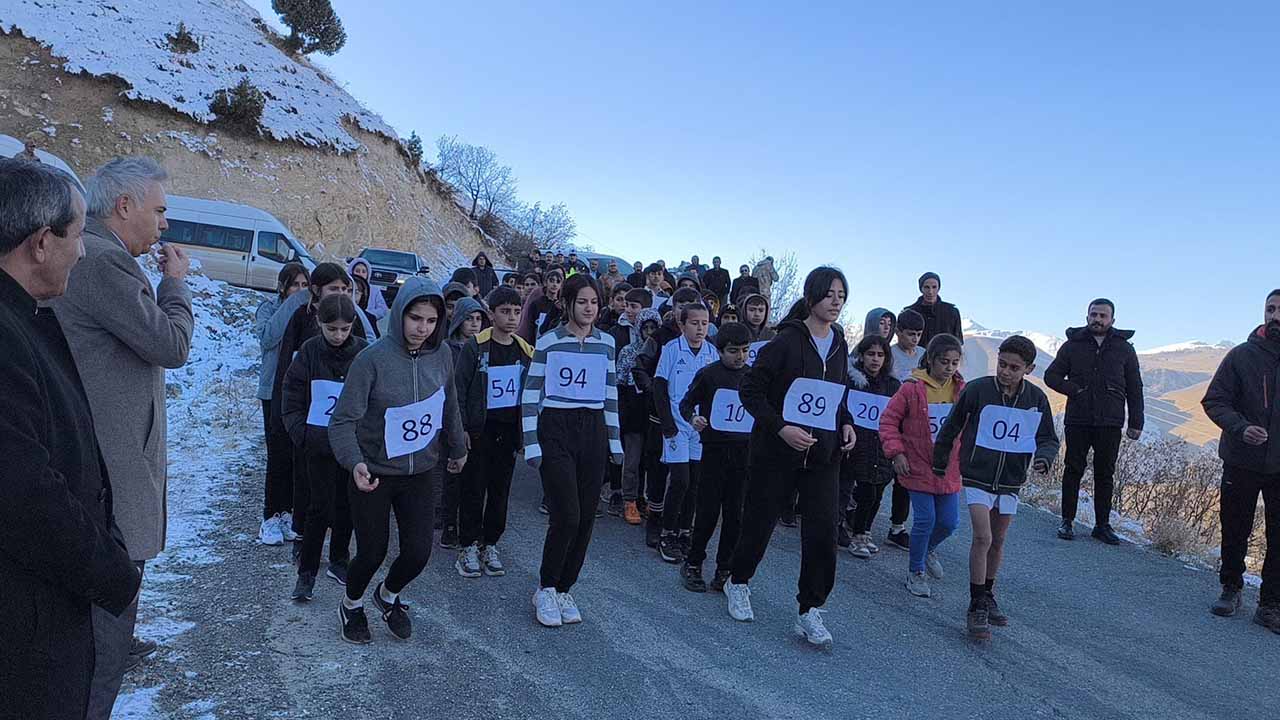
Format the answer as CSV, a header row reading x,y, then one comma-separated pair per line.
x,y
939,317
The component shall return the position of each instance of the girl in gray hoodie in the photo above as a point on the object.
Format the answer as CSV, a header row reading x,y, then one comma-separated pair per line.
x,y
397,414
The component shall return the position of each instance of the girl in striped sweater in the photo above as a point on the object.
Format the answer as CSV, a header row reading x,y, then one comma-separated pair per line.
x,y
569,417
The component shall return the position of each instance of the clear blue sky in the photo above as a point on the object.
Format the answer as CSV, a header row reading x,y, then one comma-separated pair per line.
x,y
1034,157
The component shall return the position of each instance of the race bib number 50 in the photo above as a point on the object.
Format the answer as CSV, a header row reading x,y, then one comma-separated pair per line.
x,y
1006,429
812,403
577,376
410,428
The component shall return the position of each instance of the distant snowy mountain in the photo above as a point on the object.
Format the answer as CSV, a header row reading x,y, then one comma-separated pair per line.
x,y
1046,342
1188,346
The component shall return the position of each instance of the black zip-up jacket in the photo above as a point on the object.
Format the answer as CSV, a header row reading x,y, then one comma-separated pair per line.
x,y
1245,391
717,281
471,377
790,355
301,328
1098,380
991,470
939,318
647,365
702,391
867,461
316,360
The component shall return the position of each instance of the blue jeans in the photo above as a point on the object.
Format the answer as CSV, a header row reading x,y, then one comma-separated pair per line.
x,y
935,518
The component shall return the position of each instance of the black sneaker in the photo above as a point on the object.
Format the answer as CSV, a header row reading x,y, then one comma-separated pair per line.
x,y
994,614
615,505
900,539
686,543
305,588
142,648
1067,530
843,538
653,529
693,581
355,626
788,519
1104,533
338,571
669,549
1228,603
1268,616
449,537
396,617
718,580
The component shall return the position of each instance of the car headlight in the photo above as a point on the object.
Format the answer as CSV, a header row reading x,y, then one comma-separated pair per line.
x,y
400,280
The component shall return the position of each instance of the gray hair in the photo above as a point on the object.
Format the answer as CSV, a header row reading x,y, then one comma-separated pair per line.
x,y
33,196
128,176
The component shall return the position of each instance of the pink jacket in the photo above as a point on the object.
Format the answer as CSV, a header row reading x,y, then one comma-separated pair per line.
x,y
904,428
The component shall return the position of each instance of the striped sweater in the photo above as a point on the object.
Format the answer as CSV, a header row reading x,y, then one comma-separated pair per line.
x,y
569,386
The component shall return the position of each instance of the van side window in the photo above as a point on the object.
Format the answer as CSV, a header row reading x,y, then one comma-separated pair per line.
x,y
181,232
225,238
273,246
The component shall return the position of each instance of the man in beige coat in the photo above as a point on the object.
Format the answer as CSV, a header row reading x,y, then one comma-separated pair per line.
x,y
123,334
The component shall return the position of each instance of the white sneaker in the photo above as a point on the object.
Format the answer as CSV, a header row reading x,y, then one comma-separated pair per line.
x,y
546,609
918,584
933,565
739,597
809,626
468,564
269,533
489,559
286,527
870,546
569,613
858,548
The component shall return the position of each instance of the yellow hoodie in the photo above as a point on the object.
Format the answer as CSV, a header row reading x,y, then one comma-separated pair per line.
x,y
936,393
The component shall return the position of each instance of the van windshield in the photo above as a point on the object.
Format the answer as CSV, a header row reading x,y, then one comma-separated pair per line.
x,y
390,258
301,248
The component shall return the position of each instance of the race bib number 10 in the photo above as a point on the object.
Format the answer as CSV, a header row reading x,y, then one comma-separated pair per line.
x,y
577,376
866,408
812,403
753,350
938,414
1006,429
727,413
324,397
410,428
504,386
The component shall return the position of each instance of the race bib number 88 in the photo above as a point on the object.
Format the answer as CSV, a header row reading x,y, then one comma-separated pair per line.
x,y
1006,429
410,428
812,403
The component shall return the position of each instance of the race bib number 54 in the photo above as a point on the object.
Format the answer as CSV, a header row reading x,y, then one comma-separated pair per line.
x,y
1006,429
410,428
812,403
504,386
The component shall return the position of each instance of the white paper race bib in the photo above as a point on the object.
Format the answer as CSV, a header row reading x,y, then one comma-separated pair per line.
x,y
504,386
753,350
1007,429
866,408
577,376
411,428
727,413
657,300
812,403
324,397
542,317
938,414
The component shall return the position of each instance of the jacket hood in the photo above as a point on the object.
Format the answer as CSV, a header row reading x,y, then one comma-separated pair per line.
x,y
1259,337
872,324
487,262
646,315
742,307
414,288
689,276
351,266
451,287
856,377
923,376
461,309
1083,333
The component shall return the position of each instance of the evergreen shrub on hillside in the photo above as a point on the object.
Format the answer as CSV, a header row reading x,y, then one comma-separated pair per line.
x,y
313,26
182,41
239,108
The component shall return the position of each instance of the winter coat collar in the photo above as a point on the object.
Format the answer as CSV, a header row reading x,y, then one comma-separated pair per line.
x,y
11,293
1083,333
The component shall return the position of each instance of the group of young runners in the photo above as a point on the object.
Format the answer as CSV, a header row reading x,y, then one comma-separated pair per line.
x,y
672,407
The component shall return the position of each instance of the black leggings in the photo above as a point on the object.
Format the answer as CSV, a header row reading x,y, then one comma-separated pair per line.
x,y
486,484
411,498
724,475
330,508
277,496
575,448
682,496
900,505
866,500
451,499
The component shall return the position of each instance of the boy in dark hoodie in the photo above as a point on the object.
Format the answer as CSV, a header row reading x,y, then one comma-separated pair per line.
x,y
866,471
489,377
755,315
398,399
312,385
465,320
725,428
633,408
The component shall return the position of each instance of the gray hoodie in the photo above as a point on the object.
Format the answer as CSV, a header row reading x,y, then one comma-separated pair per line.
x,y
385,375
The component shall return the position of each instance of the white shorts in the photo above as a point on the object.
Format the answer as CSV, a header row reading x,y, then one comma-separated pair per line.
x,y
1005,504
685,447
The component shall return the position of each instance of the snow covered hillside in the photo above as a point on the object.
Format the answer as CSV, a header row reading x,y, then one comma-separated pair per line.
x,y
1188,346
1046,342
125,39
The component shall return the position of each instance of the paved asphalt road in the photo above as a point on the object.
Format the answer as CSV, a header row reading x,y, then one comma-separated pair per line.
x,y
1096,632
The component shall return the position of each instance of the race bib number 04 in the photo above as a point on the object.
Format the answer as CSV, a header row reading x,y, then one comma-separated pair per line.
x,y
324,397
938,414
812,403
577,376
866,408
410,428
1006,429
727,413
504,386
753,350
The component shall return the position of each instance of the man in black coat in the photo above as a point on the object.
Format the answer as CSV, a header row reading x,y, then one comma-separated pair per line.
x,y
1097,369
60,551
717,281
939,316
1242,400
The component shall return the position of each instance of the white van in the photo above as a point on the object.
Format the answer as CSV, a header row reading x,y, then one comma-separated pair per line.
x,y
238,244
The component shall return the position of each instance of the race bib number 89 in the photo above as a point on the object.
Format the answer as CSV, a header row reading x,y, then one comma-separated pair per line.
x,y
812,403
1006,429
504,386
866,408
753,350
727,413
324,397
410,428
577,376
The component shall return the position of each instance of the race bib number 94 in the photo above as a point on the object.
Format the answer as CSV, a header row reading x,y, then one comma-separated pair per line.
x,y
1006,429
410,428
812,403
577,376
938,414
324,397
753,350
727,413
866,408
504,386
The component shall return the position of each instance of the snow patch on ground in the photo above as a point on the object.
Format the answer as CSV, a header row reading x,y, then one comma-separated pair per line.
x,y
110,38
137,705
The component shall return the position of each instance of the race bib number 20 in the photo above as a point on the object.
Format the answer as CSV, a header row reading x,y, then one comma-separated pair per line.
x,y
812,403
866,408
410,428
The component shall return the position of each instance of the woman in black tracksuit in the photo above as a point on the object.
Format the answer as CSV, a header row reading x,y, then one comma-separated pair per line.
x,y
312,385
795,391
